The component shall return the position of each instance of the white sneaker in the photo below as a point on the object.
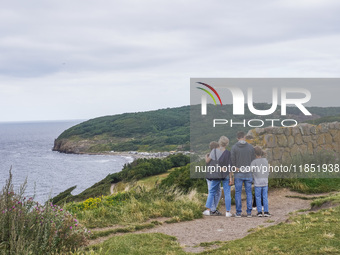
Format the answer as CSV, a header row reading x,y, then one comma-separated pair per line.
x,y
228,214
206,213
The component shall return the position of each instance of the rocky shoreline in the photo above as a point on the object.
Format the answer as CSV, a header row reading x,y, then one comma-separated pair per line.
x,y
81,147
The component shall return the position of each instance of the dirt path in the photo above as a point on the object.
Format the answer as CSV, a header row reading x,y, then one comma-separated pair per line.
x,y
219,228
112,188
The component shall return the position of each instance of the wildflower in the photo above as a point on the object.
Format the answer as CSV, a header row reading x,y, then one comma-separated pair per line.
x,y
70,227
76,225
61,210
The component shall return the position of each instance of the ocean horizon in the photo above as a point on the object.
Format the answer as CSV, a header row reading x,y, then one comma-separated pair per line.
x,y
26,147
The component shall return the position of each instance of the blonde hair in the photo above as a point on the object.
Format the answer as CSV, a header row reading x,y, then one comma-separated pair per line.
x,y
224,141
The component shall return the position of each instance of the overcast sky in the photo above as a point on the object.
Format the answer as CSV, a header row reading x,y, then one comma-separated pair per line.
x,y
82,59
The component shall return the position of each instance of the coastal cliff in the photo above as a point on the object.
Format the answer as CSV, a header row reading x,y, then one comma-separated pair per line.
x,y
74,146
157,131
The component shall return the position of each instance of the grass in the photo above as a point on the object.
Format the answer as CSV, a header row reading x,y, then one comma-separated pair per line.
x,y
27,227
137,206
97,234
136,244
315,233
147,182
307,186
305,198
151,181
332,199
318,182
209,244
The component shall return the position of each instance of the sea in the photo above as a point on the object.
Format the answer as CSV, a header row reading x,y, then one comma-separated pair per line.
x,y
26,149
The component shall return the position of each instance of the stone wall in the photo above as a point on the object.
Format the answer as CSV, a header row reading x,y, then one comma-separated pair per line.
x,y
282,143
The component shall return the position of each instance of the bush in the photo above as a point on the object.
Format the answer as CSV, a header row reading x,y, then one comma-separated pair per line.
x,y
137,206
180,178
133,171
318,182
27,227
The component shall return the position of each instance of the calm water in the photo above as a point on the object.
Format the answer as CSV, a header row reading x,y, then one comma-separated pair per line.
x,y
27,147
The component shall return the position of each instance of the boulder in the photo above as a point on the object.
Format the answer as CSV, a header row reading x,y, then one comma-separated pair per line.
x,y
270,141
282,140
298,139
277,153
290,140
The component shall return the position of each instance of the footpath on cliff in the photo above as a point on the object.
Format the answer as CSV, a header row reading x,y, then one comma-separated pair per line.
x,y
282,203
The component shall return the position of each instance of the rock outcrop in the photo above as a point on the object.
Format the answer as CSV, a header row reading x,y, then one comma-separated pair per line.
x,y
283,143
73,146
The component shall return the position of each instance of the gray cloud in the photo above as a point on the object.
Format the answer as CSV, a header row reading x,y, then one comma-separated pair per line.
x,y
83,59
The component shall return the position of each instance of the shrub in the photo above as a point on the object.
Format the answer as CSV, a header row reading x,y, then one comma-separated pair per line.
x,y
137,206
27,227
180,178
312,182
133,171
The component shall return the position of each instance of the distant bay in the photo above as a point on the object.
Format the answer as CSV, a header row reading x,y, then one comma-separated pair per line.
x,y
27,147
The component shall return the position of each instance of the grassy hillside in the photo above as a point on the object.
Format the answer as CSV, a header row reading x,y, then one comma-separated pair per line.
x,y
161,130
312,233
324,119
131,172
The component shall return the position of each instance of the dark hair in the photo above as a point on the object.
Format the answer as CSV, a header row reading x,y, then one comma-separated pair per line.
x,y
240,134
213,145
258,151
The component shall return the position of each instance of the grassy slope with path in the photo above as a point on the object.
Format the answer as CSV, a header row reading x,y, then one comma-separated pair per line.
x,y
311,233
169,244
312,228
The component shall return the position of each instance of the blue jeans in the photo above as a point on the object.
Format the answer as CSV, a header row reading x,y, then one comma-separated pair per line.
x,y
214,186
238,191
217,196
261,192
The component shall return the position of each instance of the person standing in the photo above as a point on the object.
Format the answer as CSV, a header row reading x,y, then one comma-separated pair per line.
x,y
242,154
223,156
213,210
260,170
